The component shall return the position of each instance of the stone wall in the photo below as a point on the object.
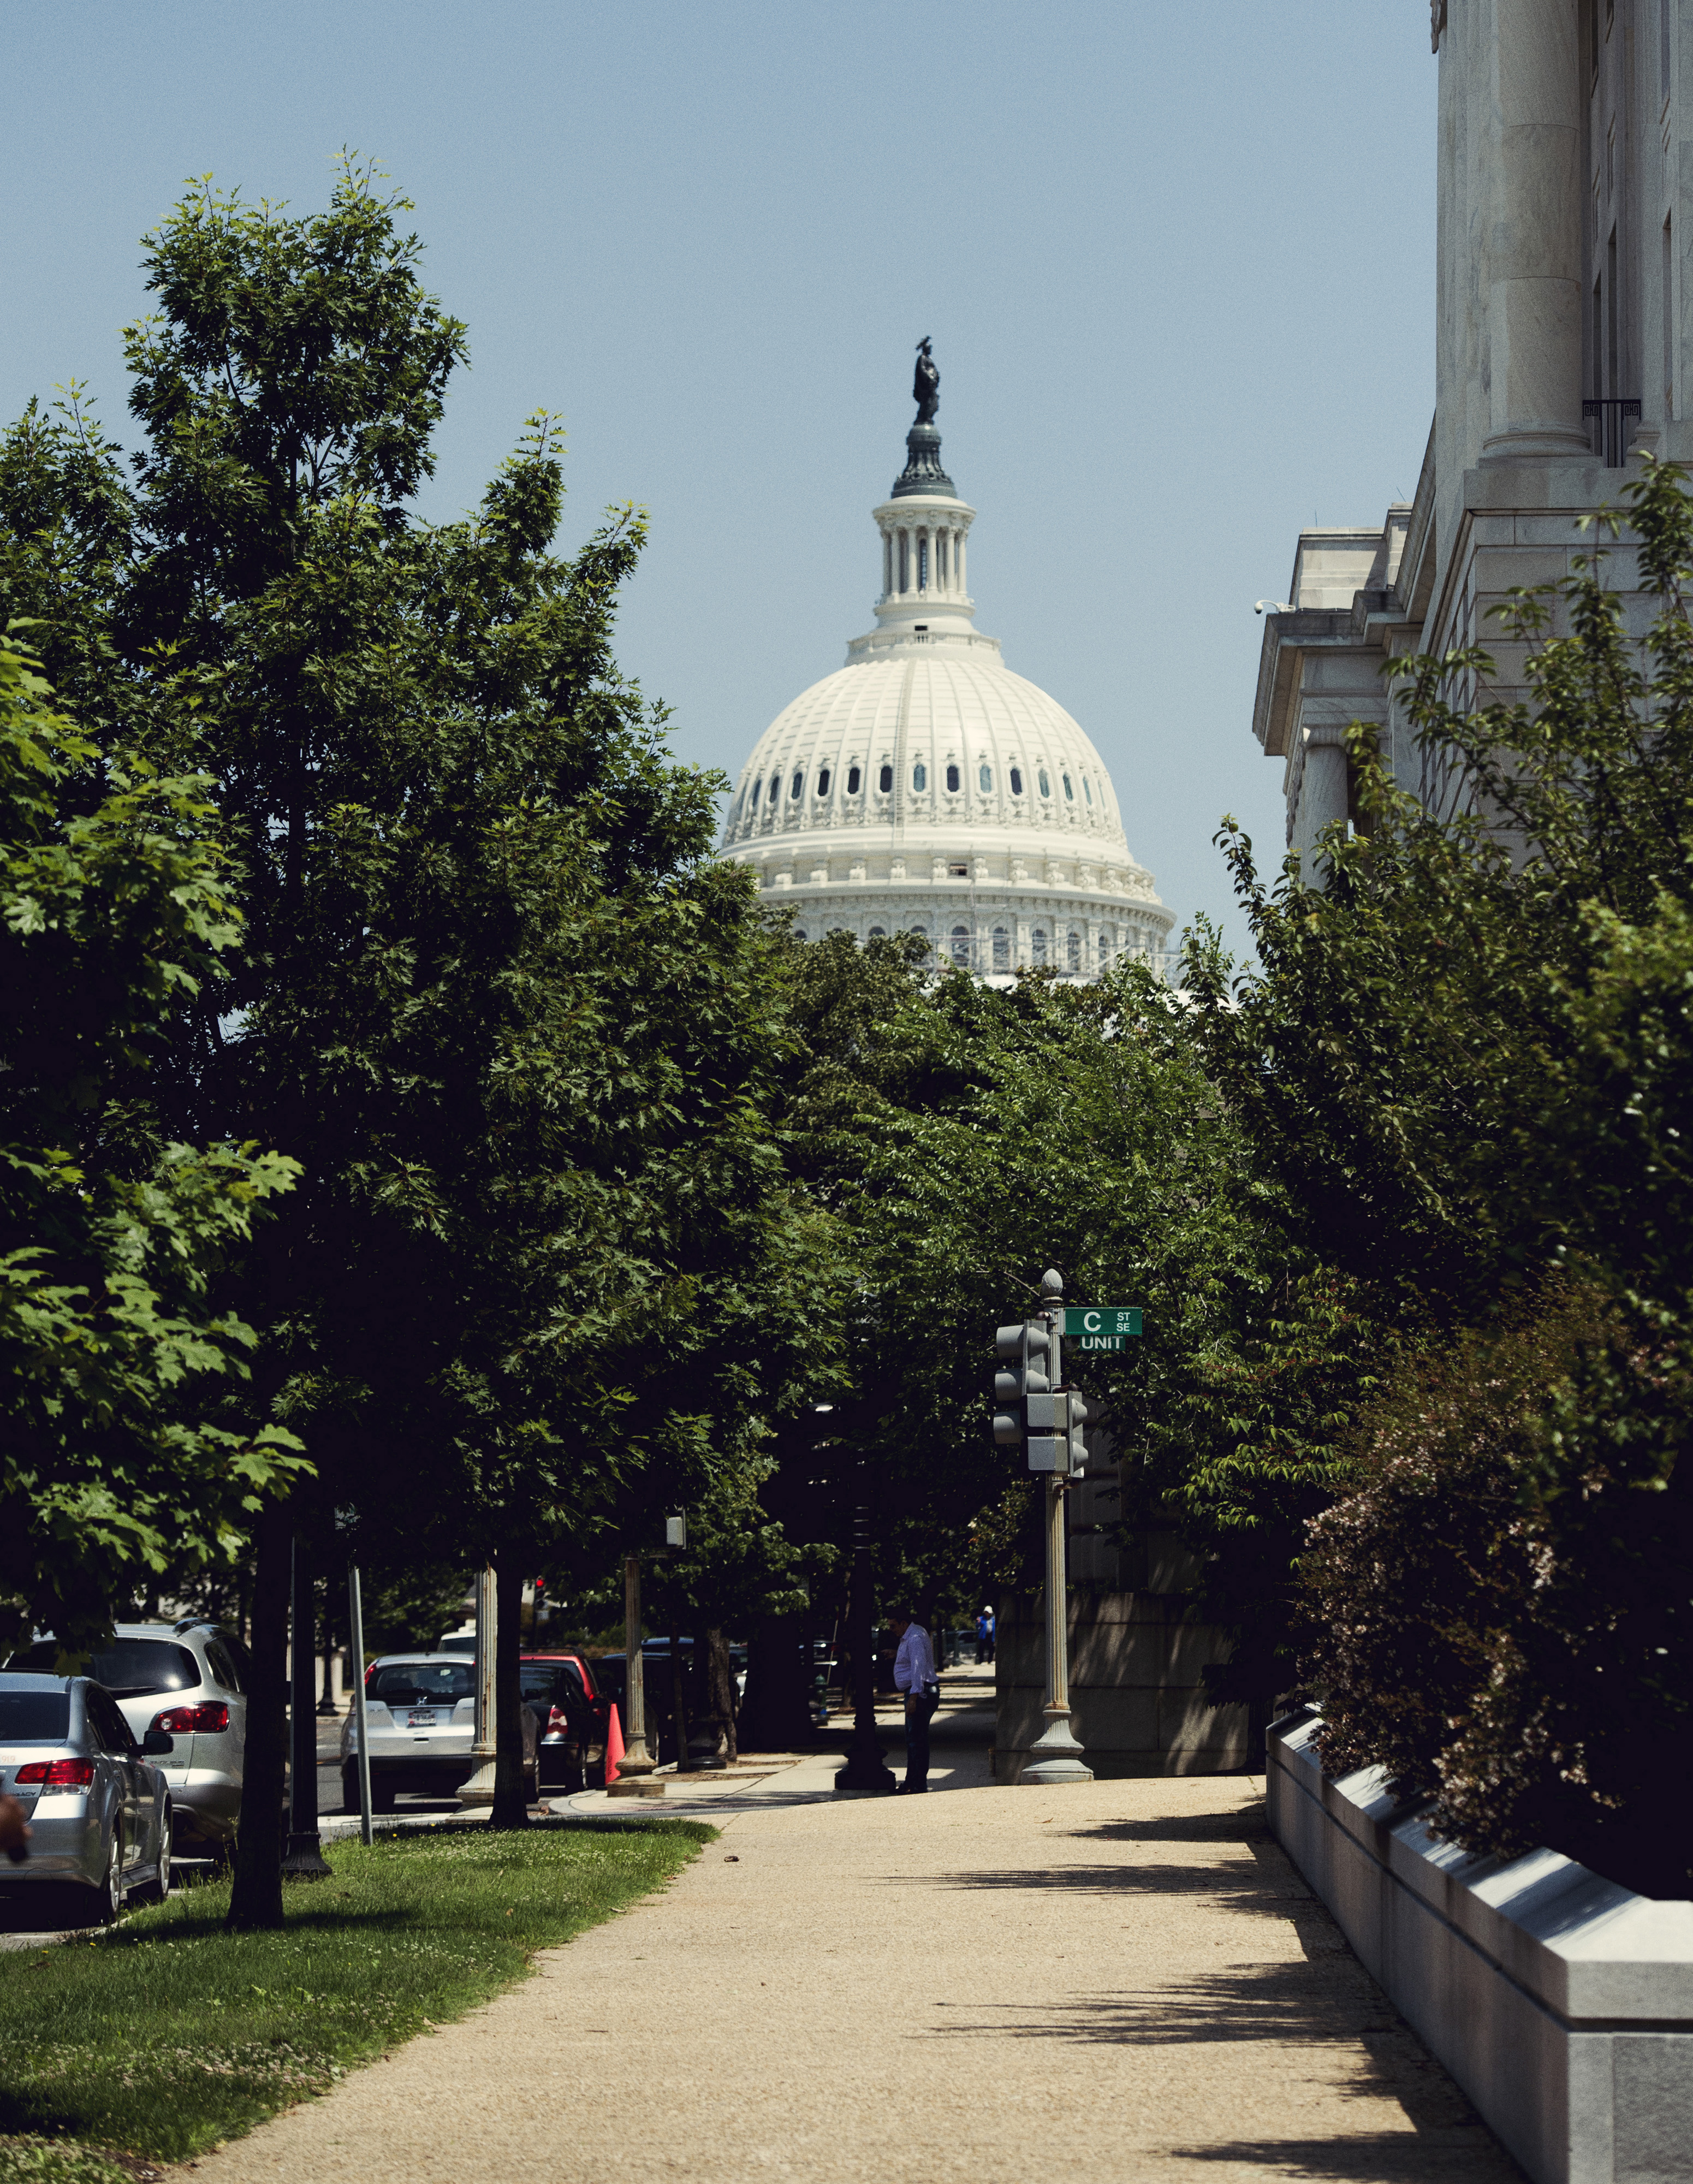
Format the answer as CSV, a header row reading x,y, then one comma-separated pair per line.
x,y
1561,2002
1136,1665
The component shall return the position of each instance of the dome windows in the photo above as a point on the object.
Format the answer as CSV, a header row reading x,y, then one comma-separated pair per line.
x,y
961,946
823,781
1016,781
985,777
1037,944
919,777
1087,789
753,807
1002,949
1069,792
958,871
775,787
798,782
1074,950
952,781
854,781
1045,785
885,781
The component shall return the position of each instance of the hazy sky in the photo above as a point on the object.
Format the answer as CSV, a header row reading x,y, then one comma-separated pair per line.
x,y
1177,264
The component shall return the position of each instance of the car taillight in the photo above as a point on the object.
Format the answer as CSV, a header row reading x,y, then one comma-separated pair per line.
x,y
555,1718
209,1717
58,1773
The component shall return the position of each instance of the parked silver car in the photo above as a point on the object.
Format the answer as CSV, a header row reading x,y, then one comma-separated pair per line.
x,y
97,1806
421,1708
185,1679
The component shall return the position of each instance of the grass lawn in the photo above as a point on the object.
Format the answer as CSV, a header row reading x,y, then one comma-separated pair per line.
x,y
161,2036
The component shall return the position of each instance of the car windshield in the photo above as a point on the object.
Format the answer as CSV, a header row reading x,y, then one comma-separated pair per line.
x,y
424,1683
35,1717
128,1668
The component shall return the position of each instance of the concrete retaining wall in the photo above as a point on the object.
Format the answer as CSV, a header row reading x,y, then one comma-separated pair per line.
x,y
1561,2003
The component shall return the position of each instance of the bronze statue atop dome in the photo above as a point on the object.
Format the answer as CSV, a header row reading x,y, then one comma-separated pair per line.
x,y
926,385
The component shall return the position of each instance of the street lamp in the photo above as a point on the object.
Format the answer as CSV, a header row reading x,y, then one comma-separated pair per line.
x,y
866,1770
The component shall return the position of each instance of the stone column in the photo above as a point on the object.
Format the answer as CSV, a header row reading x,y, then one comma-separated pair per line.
x,y
1533,244
1322,796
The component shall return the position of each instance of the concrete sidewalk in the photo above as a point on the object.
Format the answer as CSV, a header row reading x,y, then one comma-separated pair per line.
x,y
1121,1981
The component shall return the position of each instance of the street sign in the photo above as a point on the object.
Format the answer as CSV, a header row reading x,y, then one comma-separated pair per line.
x,y
1097,1328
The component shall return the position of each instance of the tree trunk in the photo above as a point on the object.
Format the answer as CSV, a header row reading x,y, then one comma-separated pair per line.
x,y
510,1788
256,1899
723,1690
777,1713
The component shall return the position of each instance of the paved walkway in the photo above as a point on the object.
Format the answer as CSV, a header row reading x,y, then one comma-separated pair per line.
x,y
1123,1981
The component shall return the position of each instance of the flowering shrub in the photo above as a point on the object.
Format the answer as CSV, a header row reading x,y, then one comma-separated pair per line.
x,y
1499,1602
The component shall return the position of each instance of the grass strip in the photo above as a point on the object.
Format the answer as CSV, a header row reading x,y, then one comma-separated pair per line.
x,y
160,2037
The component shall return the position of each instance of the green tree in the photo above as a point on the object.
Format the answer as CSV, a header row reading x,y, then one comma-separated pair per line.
x,y
509,1014
117,1457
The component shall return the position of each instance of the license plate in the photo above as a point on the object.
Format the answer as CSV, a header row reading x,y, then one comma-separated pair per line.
x,y
421,1719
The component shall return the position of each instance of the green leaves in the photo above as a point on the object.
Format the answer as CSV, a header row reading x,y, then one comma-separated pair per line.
x,y
113,1358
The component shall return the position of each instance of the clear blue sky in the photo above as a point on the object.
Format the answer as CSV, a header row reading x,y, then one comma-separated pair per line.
x,y
1177,264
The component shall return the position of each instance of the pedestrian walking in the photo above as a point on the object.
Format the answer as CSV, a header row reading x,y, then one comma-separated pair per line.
x,y
914,1673
984,1636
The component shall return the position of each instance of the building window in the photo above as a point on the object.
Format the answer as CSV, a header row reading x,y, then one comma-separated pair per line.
x,y
799,933
886,779
1087,789
887,564
877,932
1045,785
922,564
757,785
797,783
1069,793
961,946
919,777
985,777
823,781
1038,944
1073,952
903,564
952,781
1104,951
1002,949
1016,781
958,871
854,781
775,787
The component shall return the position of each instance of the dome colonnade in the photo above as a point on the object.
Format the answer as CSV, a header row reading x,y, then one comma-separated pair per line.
x,y
924,786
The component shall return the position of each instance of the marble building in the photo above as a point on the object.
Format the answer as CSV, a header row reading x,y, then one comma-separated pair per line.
x,y
924,786
1564,304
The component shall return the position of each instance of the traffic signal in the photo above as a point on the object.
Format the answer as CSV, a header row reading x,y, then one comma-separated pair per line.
x,y
1028,1409
1020,1347
1055,1439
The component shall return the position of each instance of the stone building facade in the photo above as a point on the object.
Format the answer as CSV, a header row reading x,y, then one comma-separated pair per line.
x,y
1563,350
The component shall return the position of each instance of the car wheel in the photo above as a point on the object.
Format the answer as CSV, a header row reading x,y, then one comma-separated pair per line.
x,y
160,1886
105,1899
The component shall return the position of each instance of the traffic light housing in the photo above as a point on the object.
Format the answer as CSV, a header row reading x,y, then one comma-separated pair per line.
x,y
1028,1409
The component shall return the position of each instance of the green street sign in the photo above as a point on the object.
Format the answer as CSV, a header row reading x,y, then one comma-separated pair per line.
x,y
1096,1328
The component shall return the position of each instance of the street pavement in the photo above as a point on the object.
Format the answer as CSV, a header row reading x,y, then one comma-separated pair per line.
x,y
1116,1981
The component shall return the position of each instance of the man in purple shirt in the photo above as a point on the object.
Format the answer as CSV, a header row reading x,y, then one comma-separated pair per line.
x,y
914,1673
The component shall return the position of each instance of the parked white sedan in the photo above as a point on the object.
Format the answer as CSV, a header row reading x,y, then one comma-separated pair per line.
x,y
421,1708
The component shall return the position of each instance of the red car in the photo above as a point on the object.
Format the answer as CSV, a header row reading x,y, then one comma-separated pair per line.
x,y
573,1712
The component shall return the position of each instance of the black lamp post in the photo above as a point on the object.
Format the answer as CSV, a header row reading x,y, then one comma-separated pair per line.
x,y
866,1770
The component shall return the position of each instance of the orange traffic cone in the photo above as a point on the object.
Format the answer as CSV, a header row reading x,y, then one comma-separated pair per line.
x,y
613,1745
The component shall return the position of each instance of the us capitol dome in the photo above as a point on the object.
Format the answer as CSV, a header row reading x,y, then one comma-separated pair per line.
x,y
924,787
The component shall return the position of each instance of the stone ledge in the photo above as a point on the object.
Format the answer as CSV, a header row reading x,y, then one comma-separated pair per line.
x,y
1561,2002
